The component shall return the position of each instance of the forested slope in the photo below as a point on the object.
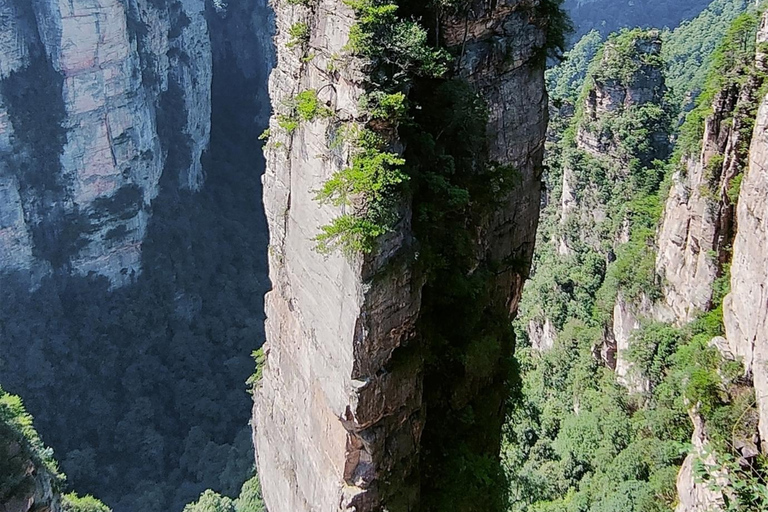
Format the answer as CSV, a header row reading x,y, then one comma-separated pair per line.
x,y
632,396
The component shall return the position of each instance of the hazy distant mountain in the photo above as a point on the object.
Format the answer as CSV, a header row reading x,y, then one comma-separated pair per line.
x,y
609,15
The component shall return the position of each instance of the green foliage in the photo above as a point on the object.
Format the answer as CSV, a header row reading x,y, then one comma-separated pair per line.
x,y
566,80
374,176
211,502
621,57
576,441
21,451
558,26
744,489
688,49
401,51
734,188
140,388
381,105
633,274
351,234
250,499
374,173
651,350
73,503
308,106
731,65
402,43
260,358
287,123
16,426
298,35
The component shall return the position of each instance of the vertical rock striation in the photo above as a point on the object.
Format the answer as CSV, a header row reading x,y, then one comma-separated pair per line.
x,y
327,405
746,307
342,407
84,128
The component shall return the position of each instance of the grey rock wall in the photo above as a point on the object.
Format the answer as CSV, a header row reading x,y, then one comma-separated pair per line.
x,y
115,59
746,307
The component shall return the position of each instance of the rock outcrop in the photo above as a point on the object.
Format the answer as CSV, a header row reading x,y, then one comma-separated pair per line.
x,y
340,414
29,481
626,78
97,99
693,494
626,320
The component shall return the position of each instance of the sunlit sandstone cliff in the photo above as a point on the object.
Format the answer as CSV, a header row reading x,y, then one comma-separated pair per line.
x,y
346,405
96,97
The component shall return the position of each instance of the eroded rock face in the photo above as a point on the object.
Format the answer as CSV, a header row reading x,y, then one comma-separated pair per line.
x,y
745,309
699,221
326,407
85,151
626,320
614,91
27,485
694,495
337,424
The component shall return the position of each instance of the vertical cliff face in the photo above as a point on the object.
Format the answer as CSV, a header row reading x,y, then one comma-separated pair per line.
x,y
746,307
347,416
98,96
699,224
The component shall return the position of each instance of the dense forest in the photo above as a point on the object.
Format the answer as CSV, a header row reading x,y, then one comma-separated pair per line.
x,y
141,391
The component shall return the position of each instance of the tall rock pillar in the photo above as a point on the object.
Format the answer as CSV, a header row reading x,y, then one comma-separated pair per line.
x,y
349,384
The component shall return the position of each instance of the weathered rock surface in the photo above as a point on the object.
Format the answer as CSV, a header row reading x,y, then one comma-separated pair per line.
x,y
27,482
37,489
626,320
115,59
745,309
338,425
542,334
612,94
326,405
693,494
699,222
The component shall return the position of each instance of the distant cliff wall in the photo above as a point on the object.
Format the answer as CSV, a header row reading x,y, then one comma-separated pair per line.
x,y
97,99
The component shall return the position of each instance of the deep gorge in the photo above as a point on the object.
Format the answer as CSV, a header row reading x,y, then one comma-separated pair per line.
x,y
141,390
